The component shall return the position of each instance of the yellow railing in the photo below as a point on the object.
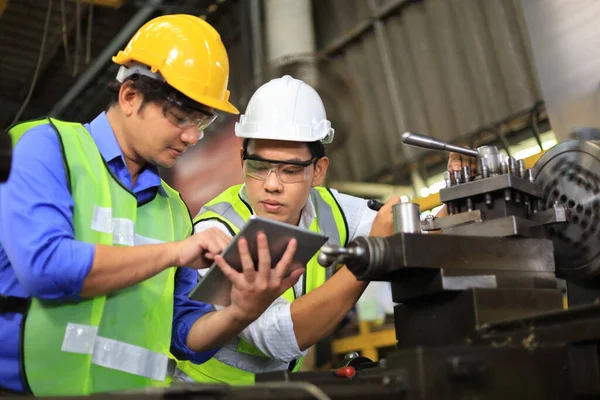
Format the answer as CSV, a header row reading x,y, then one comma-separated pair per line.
x,y
366,342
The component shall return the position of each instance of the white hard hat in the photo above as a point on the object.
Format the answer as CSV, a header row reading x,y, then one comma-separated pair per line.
x,y
285,109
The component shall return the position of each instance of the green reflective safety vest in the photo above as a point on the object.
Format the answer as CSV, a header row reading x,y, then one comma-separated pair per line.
x,y
120,341
237,362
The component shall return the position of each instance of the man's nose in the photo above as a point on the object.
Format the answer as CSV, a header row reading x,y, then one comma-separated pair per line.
x,y
272,182
191,136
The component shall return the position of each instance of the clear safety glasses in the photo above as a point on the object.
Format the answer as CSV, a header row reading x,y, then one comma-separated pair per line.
x,y
185,118
286,171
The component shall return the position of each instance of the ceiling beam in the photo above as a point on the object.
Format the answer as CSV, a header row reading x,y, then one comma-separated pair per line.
x,y
104,3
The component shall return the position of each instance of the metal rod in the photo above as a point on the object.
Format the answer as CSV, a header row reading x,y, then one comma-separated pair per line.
x,y
414,139
256,40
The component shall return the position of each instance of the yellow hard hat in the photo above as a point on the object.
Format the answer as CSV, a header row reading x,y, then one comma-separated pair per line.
x,y
188,53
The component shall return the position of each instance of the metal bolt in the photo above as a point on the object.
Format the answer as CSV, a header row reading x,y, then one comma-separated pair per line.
x,y
521,166
529,175
504,171
467,178
485,173
458,177
448,179
488,199
512,165
466,171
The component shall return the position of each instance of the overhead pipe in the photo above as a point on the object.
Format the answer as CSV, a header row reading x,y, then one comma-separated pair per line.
x,y
290,33
257,42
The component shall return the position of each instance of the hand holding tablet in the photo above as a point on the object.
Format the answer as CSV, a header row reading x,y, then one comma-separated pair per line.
x,y
215,287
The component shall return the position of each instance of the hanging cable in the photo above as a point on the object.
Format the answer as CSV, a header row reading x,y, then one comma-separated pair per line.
x,y
77,36
88,44
65,39
38,65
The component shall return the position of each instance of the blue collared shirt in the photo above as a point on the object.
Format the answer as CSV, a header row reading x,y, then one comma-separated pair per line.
x,y
39,255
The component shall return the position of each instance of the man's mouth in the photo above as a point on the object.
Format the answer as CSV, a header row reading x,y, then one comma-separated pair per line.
x,y
176,152
271,205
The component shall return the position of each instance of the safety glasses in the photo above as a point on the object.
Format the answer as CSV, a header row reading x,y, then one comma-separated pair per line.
x,y
287,171
185,117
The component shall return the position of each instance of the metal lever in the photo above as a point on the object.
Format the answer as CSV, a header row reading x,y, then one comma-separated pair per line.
x,y
332,255
414,139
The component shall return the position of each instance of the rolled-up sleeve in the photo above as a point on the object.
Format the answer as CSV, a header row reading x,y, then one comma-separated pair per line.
x,y
273,332
36,212
185,313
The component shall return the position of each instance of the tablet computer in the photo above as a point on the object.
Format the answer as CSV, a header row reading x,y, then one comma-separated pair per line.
x,y
215,288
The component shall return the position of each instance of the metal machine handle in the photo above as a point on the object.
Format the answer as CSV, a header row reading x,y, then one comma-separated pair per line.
x,y
414,139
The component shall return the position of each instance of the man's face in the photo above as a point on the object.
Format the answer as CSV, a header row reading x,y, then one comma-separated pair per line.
x,y
270,197
161,132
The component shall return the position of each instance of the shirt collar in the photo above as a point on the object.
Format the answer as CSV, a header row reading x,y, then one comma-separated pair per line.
x,y
307,215
106,141
105,138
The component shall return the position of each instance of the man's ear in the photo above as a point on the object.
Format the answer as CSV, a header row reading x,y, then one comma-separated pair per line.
x,y
242,157
129,98
320,171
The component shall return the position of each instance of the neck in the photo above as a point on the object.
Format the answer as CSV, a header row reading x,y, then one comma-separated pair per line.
x,y
296,220
133,162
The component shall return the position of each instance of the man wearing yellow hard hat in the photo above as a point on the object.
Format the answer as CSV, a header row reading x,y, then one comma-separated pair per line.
x,y
93,244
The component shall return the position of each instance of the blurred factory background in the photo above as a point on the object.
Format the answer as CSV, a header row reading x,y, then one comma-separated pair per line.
x,y
458,70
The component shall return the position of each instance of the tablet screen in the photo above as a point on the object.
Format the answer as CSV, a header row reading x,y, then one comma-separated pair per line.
x,y
215,288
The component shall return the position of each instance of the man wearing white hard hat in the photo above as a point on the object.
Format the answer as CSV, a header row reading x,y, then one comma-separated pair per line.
x,y
283,157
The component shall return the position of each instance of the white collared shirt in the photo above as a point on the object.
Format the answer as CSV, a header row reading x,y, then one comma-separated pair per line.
x,y
273,332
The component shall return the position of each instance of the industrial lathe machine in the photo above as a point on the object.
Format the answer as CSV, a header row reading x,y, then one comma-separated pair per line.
x,y
481,308
481,292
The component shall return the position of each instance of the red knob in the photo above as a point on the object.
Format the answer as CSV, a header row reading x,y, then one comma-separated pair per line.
x,y
345,372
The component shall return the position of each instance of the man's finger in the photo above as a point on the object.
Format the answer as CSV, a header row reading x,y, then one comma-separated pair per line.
x,y
454,162
387,206
227,270
281,269
473,165
291,280
246,259
213,240
222,239
264,257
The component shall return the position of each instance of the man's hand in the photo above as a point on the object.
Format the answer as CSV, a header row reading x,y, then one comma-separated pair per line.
x,y
254,290
457,161
199,250
383,225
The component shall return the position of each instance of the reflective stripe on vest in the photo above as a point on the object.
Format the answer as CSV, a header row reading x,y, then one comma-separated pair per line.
x,y
113,354
107,343
238,361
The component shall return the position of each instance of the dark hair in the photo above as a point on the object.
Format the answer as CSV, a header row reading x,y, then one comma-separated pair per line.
x,y
152,90
317,149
